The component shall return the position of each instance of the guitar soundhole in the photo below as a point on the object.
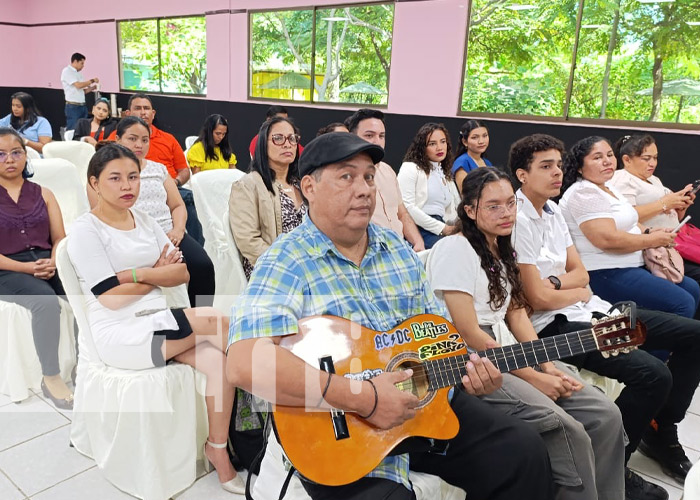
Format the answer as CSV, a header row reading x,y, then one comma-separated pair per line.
x,y
418,383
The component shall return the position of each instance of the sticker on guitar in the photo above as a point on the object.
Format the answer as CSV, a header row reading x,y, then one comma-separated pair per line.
x,y
441,347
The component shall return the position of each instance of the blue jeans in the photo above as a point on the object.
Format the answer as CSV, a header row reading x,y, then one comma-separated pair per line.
x,y
193,227
73,114
429,239
647,290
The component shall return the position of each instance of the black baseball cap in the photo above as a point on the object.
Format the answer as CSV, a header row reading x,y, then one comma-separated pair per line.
x,y
334,147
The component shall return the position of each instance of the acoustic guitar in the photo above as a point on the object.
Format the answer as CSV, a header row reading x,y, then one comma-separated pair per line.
x,y
335,448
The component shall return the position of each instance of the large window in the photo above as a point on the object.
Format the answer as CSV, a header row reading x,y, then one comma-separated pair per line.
x,y
338,54
164,55
635,59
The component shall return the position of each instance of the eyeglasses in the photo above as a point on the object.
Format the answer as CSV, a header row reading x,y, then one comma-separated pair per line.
x,y
16,155
498,211
280,139
648,158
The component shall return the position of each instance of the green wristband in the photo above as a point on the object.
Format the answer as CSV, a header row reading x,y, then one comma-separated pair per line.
x,y
133,274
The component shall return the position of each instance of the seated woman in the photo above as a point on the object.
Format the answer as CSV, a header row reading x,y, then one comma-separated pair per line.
x,y
425,180
471,152
99,127
159,198
267,201
605,230
332,127
212,149
476,274
28,122
122,257
30,228
656,205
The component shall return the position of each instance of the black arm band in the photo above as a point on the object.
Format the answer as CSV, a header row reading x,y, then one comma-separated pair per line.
x,y
105,286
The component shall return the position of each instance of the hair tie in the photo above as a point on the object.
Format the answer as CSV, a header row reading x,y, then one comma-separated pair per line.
x,y
626,138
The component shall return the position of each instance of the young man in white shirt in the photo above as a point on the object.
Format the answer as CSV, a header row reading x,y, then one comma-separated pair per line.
x,y
555,283
75,89
390,211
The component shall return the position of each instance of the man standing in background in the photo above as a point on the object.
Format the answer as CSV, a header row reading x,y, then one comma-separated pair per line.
x,y
75,89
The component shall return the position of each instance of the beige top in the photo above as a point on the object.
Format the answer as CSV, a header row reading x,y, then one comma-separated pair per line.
x,y
255,215
386,211
640,192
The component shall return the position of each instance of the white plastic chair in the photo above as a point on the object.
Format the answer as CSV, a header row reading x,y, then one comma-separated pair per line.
x,y
76,152
144,428
189,140
68,135
692,483
20,369
211,190
423,256
33,154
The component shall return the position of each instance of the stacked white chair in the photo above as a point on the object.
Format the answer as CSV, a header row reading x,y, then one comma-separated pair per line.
x,y
76,152
20,370
189,140
211,190
33,154
692,483
144,428
68,135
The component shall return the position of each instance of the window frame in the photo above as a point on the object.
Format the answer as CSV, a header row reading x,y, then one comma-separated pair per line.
x,y
160,62
313,9
564,118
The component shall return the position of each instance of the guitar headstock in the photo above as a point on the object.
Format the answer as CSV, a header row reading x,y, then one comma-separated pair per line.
x,y
615,334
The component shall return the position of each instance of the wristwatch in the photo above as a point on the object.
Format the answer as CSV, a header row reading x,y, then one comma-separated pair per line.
x,y
555,281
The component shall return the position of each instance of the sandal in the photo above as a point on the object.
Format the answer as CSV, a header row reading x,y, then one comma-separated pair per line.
x,y
234,485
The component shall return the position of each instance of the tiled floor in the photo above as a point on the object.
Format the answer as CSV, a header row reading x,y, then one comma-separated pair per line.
x,y
37,463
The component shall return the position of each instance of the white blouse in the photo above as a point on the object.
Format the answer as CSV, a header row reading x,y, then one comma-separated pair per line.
x,y
153,199
639,192
584,201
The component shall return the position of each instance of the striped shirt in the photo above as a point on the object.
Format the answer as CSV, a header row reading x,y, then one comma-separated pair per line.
x,y
303,274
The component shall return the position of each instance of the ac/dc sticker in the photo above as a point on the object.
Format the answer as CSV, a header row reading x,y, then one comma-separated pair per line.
x,y
453,344
385,340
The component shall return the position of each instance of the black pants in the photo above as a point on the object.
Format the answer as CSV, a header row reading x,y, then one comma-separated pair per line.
x,y
41,298
193,226
652,390
202,286
493,457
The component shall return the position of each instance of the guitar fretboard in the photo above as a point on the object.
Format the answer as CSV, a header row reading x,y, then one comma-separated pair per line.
x,y
449,371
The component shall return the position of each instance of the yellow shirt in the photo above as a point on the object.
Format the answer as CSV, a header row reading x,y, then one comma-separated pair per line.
x,y
195,157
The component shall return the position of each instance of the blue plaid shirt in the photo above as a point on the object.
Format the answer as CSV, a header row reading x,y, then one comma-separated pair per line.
x,y
303,274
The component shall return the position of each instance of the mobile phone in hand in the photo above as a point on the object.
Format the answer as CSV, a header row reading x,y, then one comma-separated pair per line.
x,y
696,187
682,223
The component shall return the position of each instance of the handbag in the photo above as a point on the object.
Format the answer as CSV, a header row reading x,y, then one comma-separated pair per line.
x,y
664,262
688,243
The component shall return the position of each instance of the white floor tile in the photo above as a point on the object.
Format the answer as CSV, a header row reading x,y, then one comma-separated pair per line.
x,y
208,487
66,413
9,491
695,404
689,431
43,462
27,420
4,400
87,485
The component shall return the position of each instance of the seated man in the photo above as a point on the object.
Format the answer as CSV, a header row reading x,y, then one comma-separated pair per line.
x,y
338,263
390,211
555,284
165,149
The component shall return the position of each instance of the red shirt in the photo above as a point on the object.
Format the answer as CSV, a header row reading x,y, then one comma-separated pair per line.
x,y
164,149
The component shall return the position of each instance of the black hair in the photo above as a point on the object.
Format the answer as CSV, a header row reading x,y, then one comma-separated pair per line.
x,y
417,150
464,132
353,121
206,137
522,150
631,145
106,102
573,161
129,121
260,163
77,56
26,171
273,111
105,152
31,112
329,128
138,96
472,188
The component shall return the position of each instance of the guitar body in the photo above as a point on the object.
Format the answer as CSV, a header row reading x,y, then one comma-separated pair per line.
x,y
307,435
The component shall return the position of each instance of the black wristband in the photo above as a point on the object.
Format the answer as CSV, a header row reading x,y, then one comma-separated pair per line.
x,y
647,230
325,390
376,400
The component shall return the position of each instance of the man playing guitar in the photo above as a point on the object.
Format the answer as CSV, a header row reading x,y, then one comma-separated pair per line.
x,y
337,263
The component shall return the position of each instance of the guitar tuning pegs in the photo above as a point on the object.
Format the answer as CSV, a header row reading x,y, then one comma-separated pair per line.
x,y
594,321
615,352
605,354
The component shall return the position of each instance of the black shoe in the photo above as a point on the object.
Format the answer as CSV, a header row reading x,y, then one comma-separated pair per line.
x,y
663,446
638,488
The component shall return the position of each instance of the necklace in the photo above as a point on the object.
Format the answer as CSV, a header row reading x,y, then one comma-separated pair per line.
x,y
285,189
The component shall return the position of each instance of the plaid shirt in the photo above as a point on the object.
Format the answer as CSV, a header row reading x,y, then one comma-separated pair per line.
x,y
303,274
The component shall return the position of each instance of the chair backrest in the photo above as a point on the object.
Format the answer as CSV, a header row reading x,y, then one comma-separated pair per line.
x,y
423,256
68,135
33,154
62,178
76,152
189,140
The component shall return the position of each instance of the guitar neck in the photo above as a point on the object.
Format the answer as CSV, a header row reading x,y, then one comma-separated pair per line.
x,y
449,371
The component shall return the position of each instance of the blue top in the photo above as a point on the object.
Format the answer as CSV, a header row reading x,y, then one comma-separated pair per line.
x,y
303,274
41,128
467,163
